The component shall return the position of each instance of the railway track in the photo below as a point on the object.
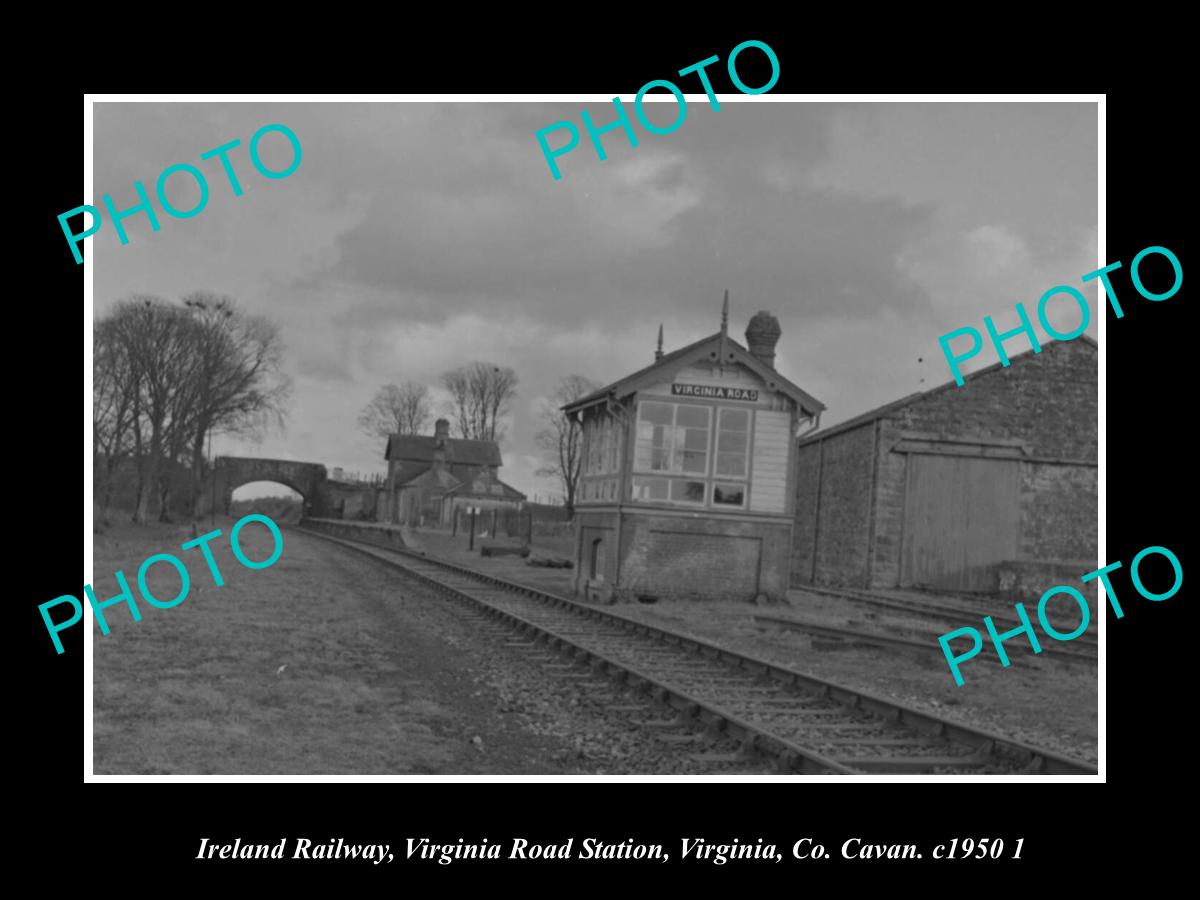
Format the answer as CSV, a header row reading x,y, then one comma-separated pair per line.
x,y
809,725
947,615
927,644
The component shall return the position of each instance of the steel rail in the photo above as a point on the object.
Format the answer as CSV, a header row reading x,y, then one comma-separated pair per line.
x,y
931,610
997,749
888,641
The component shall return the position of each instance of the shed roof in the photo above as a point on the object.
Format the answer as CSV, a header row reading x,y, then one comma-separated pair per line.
x,y
704,349
887,408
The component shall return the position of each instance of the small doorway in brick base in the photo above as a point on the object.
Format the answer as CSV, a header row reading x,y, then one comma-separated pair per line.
x,y
596,561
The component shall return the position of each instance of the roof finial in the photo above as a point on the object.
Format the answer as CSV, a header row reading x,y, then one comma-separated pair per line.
x,y
724,330
658,354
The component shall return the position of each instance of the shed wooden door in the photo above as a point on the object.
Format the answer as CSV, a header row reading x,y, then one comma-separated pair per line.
x,y
961,518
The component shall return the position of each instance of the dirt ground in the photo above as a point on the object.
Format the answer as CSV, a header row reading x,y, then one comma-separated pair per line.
x,y
313,665
330,663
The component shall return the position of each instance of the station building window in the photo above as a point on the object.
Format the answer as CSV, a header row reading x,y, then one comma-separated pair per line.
x,y
674,447
733,456
602,440
602,448
729,494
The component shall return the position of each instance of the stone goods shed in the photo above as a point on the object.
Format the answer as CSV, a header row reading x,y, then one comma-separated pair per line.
x,y
988,487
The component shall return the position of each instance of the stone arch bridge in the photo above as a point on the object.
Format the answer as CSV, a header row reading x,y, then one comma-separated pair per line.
x,y
231,472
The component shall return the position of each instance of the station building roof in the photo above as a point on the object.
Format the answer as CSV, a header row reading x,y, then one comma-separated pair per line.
x,y
459,451
707,349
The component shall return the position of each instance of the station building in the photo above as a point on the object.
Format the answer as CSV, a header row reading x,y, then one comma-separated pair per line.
x,y
687,488
432,477
990,487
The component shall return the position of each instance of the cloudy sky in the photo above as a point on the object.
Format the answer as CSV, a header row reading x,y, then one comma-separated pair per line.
x,y
415,237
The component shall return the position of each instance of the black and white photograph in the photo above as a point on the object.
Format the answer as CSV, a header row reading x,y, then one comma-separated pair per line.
x,y
540,438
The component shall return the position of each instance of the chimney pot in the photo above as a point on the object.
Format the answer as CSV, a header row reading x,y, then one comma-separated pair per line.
x,y
762,334
441,432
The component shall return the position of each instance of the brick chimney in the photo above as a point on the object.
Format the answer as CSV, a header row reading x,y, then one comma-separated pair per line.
x,y
762,334
441,433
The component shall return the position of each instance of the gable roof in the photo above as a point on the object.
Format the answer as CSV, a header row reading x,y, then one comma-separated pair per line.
x,y
433,478
413,473
479,483
419,448
491,488
882,411
703,350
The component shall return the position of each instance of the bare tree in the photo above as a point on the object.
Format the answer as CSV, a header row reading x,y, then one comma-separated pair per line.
x,y
463,405
169,375
497,388
237,381
397,409
481,393
113,388
561,440
153,338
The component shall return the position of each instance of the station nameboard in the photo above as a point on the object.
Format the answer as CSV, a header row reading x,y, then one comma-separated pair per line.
x,y
714,392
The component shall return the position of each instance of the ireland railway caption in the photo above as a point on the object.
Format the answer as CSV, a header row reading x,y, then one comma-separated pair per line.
x,y
697,849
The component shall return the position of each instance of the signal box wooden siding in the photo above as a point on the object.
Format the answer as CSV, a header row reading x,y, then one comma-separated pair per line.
x,y
688,485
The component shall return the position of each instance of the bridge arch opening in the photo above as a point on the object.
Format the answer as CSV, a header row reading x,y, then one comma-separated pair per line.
x,y
278,500
231,473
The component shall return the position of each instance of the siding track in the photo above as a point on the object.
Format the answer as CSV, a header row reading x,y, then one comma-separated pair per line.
x,y
951,615
925,645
